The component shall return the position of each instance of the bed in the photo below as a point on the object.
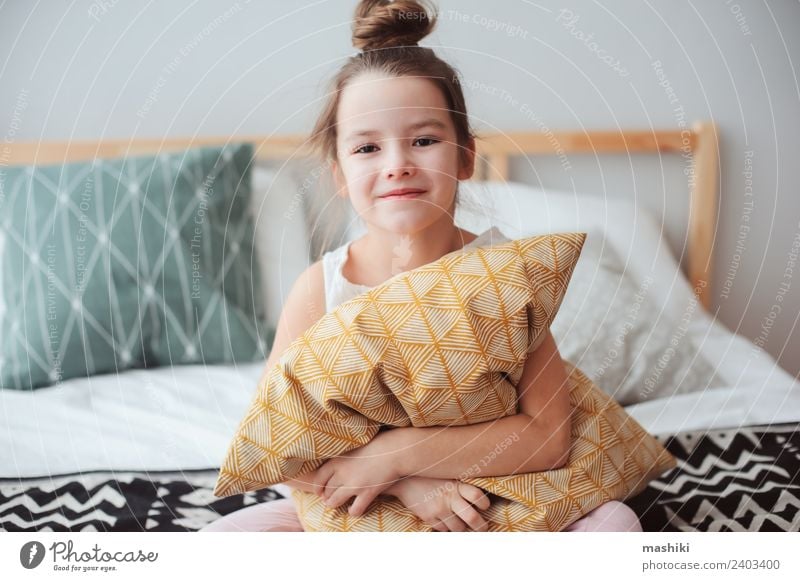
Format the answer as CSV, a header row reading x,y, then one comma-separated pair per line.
x,y
100,453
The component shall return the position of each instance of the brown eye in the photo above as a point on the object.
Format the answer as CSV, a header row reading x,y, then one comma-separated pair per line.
x,y
362,148
430,140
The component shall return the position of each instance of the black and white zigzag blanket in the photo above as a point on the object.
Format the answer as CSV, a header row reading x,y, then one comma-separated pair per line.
x,y
745,479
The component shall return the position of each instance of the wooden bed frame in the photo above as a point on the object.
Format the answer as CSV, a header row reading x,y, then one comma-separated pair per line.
x,y
494,153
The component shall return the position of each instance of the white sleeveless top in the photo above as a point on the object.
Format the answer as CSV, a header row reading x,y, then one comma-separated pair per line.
x,y
338,289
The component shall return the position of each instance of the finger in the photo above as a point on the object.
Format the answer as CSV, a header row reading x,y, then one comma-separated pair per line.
x,y
310,478
361,503
322,478
331,486
454,523
467,513
474,495
338,498
439,526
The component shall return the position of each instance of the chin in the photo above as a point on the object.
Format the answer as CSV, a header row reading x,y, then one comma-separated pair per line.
x,y
407,226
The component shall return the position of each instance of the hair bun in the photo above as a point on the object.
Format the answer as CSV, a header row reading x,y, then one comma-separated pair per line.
x,y
381,24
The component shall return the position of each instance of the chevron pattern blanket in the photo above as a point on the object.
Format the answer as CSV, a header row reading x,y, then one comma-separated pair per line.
x,y
743,479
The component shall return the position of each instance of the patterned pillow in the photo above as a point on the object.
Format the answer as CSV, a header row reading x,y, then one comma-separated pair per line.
x,y
121,263
443,344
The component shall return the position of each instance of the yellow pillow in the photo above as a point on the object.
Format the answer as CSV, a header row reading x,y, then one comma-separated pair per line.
x,y
370,362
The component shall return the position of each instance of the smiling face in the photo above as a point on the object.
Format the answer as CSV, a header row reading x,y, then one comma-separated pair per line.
x,y
396,133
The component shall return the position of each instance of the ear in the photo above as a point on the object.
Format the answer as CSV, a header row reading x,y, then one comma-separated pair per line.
x,y
339,180
467,167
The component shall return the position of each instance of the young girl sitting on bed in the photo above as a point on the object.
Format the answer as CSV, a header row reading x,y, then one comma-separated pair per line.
x,y
397,134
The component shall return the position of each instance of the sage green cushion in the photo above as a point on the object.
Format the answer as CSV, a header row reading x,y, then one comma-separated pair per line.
x,y
134,262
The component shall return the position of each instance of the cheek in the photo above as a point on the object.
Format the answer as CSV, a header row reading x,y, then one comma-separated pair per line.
x,y
359,175
350,180
447,163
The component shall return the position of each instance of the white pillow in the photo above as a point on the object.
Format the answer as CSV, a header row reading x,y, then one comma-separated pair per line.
x,y
281,237
522,210
610,327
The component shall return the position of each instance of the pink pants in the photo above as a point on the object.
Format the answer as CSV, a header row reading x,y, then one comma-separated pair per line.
x,y
281,516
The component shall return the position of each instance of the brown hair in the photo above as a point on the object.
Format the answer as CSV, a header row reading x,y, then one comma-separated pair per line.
x,y
387,34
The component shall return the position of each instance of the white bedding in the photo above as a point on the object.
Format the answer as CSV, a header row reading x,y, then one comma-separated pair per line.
x,y
757,390
157,419
182,418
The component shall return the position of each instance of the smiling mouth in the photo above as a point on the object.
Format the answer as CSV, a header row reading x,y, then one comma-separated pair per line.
x,y
403,195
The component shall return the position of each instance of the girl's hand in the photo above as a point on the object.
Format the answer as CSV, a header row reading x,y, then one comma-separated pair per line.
x,y
446,505
364,473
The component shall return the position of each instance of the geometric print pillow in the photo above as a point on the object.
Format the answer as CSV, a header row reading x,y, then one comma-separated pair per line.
x,y
134,262
443,344
612,458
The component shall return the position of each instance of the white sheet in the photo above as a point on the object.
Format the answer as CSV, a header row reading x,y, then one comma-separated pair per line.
x,y
157,419
757,391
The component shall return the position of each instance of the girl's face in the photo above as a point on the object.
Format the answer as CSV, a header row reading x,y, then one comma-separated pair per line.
x,y
395,133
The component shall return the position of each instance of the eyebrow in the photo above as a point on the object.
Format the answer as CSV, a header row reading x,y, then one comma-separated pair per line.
x,y
435,123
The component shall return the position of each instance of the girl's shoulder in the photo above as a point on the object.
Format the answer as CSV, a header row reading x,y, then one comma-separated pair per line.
x,y
305,303
315,279
304,306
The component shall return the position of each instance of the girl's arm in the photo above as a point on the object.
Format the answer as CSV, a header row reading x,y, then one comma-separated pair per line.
x,y
535,439
304,306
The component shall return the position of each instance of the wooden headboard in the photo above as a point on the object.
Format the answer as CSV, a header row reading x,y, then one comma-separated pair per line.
x,y
494,153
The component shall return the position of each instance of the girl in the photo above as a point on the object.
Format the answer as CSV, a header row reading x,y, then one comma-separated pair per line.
x,y
398,138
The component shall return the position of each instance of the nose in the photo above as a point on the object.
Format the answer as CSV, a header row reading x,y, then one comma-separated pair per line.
x,y
398,162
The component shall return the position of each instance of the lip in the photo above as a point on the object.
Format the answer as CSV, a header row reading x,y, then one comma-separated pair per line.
x,y
402,193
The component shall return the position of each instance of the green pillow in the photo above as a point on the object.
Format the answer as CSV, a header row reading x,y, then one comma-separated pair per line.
x,y
134,262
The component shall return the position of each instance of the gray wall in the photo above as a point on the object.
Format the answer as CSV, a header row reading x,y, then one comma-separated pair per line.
x,y
108,69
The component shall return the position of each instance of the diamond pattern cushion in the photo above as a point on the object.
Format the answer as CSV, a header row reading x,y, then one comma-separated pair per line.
x,y
121,263
443,344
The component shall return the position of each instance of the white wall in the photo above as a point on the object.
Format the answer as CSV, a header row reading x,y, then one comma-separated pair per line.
x,y
125,69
